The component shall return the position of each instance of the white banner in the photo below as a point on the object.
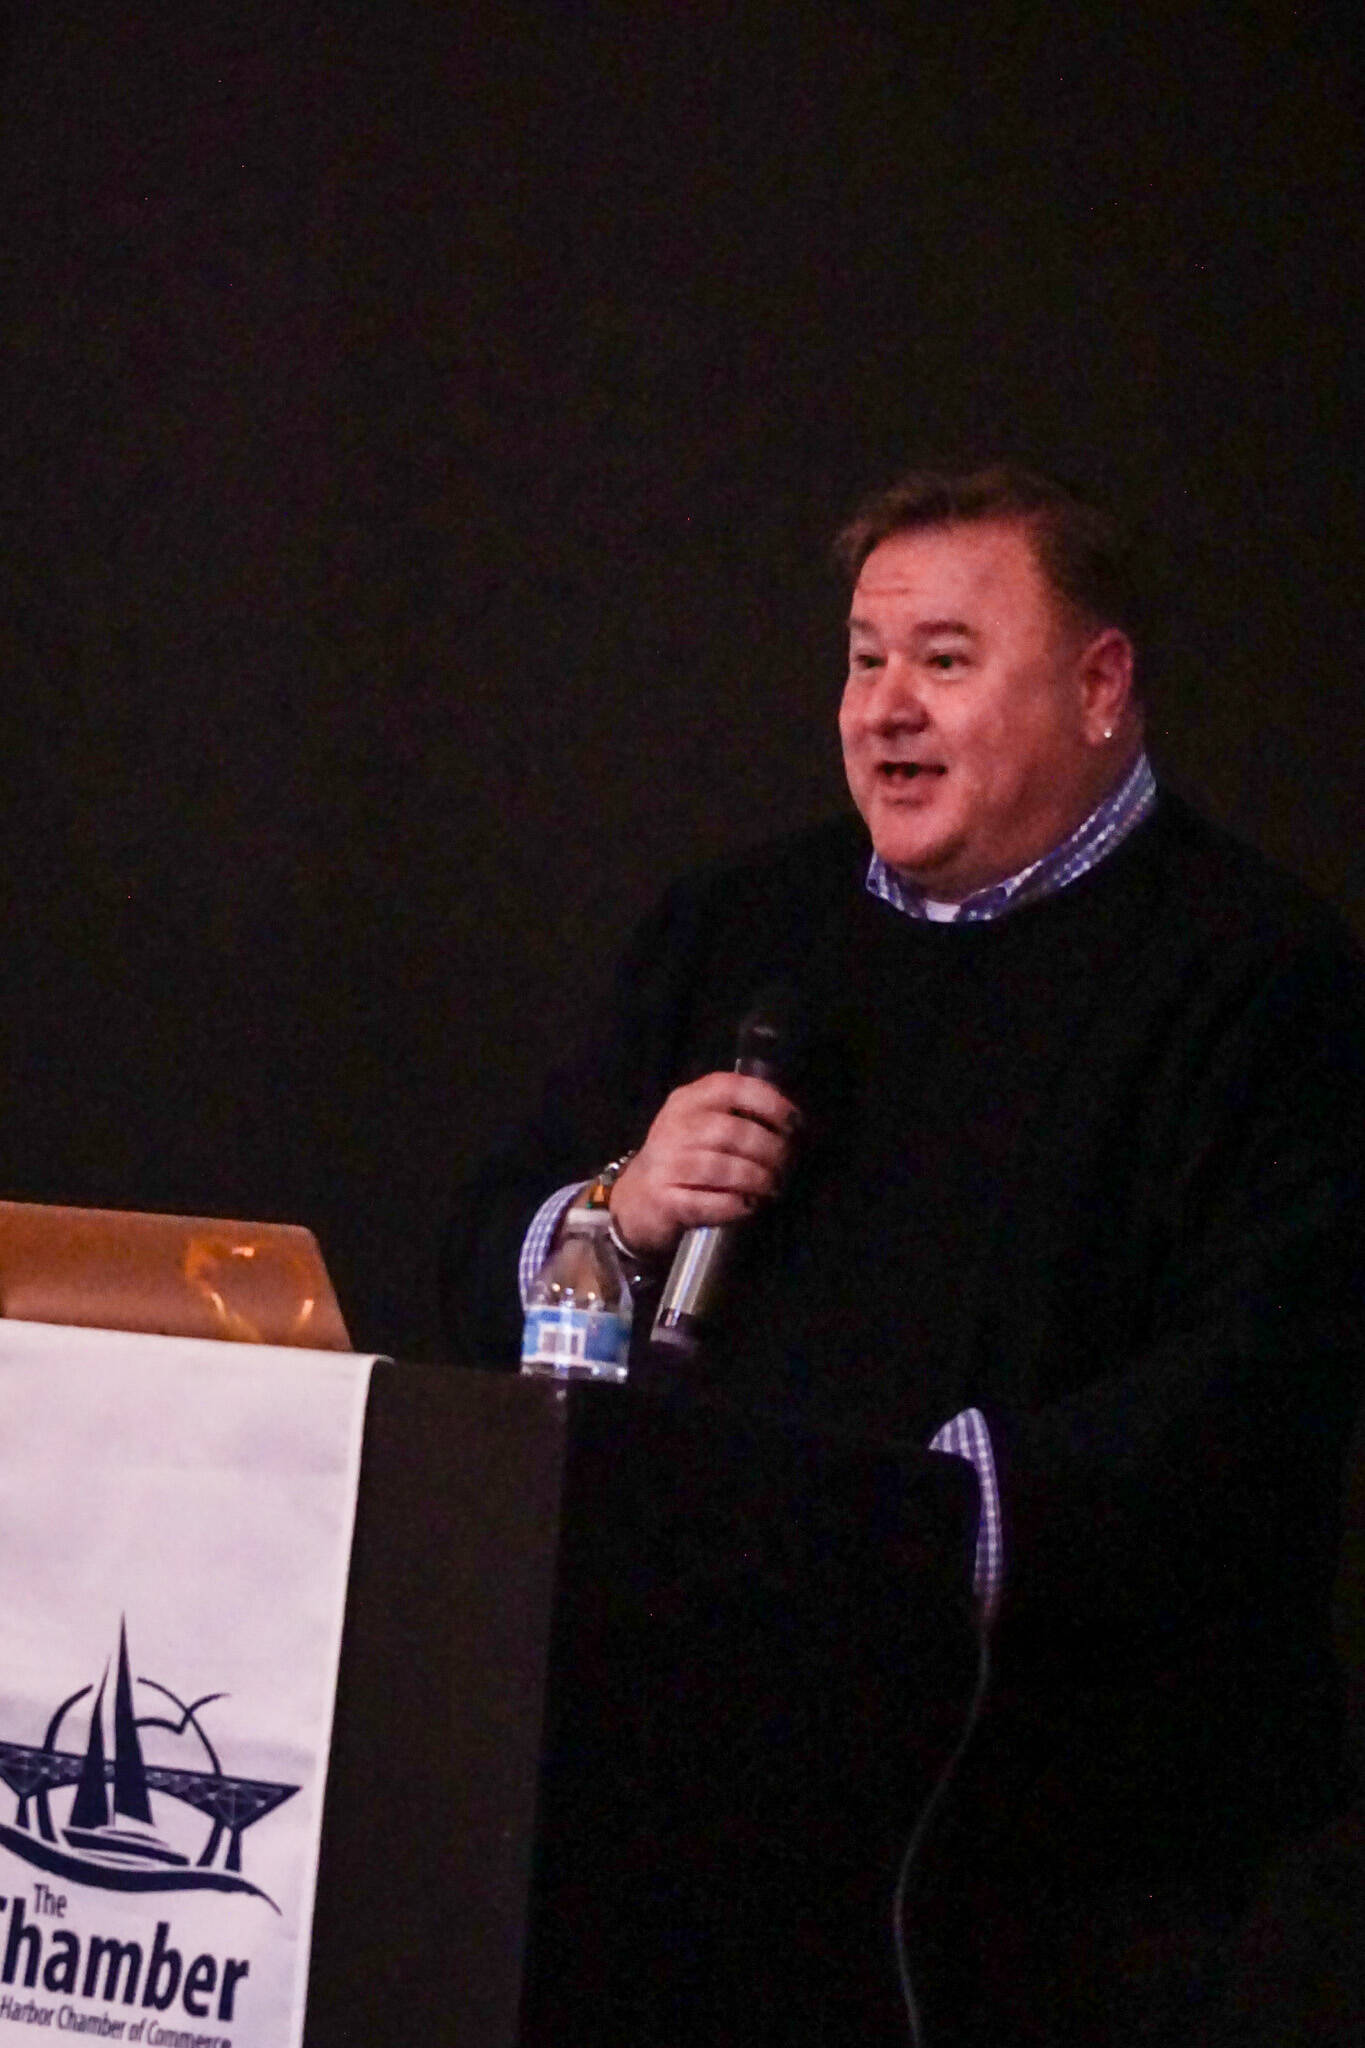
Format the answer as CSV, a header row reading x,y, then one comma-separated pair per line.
x,y
175,1534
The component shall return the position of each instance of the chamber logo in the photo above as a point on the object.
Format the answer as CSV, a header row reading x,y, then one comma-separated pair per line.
x,y
109,1839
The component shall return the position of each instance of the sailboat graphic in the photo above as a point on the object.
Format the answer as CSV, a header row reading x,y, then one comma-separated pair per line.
x,y
109,1840
129,1833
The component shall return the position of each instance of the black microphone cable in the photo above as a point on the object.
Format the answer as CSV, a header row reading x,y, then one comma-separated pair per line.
x,y
928,1813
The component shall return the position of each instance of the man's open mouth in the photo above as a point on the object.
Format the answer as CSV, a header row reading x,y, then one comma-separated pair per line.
x,y
908,771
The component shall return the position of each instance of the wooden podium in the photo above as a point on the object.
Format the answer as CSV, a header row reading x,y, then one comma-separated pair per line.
x,y
639,1701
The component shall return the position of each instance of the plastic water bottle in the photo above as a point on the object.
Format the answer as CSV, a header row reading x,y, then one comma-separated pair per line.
x,y
578,1315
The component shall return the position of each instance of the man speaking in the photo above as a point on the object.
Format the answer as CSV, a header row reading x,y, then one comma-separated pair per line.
x,y
1068,1181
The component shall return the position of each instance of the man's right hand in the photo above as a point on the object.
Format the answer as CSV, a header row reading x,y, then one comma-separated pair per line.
x,y
717,1148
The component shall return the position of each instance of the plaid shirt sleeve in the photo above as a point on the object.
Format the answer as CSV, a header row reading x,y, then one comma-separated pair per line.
x,y
535,1246
966,1436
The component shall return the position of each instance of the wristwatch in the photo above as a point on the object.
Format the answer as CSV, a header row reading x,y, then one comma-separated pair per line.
x,y
638,1267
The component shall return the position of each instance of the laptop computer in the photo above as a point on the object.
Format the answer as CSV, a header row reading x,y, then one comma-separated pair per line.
x,y
173,1276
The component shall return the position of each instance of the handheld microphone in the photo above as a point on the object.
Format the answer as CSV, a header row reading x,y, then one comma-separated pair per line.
x,y
763,1049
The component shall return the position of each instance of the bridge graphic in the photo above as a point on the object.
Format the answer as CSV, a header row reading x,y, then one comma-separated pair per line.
x,y
110,1841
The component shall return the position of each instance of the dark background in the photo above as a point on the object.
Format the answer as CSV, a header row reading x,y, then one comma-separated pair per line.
x,y
422,430
420,434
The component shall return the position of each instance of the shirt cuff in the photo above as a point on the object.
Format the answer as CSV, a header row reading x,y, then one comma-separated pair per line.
x,y
535,1246
966,1436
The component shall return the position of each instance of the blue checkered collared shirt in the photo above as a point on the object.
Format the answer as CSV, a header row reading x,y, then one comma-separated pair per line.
x,y
1109,823
965,1435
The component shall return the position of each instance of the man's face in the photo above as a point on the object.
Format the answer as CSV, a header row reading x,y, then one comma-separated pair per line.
x,y
971,736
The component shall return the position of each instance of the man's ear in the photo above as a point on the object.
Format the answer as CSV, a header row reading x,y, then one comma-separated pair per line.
x,y
1105,668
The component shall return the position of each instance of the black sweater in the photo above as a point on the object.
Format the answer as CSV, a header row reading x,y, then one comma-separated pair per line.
x,y
1095,1167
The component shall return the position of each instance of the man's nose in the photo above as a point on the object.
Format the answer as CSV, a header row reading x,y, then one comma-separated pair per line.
x,y
894,700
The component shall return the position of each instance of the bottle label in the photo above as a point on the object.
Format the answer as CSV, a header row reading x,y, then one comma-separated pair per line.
x,y
576,1342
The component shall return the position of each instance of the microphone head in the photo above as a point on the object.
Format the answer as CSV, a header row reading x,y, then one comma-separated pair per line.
x,y
771,1034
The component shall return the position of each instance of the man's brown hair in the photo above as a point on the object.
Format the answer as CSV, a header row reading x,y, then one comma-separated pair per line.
x,y
1082,551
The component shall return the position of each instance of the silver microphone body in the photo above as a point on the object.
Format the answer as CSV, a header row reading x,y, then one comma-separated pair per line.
x,y
697,1274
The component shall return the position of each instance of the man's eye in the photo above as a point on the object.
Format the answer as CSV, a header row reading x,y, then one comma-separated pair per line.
x,y
862,661
944,661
